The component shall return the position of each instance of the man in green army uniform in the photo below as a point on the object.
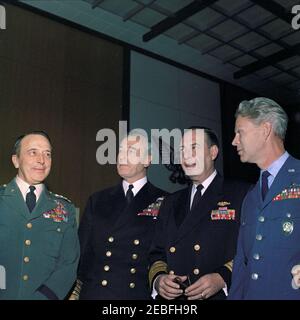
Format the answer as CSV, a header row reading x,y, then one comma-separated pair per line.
x,y
39,247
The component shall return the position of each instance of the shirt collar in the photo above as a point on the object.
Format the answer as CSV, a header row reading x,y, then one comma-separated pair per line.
x,y
276,165
24,187
206,182
137,185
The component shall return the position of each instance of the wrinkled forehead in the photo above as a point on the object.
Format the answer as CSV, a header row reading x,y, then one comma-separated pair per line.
x,y
36,141
135,141
191,137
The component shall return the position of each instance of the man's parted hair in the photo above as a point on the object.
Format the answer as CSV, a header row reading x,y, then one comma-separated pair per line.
x,y
263,109
17,145
211,137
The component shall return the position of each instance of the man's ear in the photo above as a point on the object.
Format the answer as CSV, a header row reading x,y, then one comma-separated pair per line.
x,y
214,150
15,161
267,127
148,160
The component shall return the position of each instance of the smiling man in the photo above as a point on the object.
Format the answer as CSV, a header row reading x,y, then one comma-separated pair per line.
x,y
39,248
196,235
117,228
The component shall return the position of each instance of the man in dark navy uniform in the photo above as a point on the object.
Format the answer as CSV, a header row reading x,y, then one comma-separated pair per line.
x,y
195,241
117,229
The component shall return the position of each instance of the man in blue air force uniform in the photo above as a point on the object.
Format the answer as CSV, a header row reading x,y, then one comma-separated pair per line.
x,y
39,247
268,254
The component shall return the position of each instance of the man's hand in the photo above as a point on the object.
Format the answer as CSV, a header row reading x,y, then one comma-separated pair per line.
x,y
167,287
296,276
205,287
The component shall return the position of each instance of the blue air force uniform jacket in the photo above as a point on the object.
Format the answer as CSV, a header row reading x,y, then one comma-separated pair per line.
x,y
201,241
269,239
39,250
115,241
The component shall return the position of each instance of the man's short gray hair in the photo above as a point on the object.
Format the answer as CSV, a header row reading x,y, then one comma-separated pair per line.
x,y
264,110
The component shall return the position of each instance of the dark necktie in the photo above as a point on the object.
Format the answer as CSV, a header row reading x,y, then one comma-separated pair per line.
x,y
264,184
129,194
197,196
31,198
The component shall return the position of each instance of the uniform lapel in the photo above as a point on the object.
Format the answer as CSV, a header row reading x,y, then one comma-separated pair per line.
x,y
283,180
182,206
203,209
45,203
14,199
116,205
130,212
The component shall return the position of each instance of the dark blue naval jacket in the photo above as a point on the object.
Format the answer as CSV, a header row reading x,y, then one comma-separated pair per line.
x,y
269,239
115,241
201,241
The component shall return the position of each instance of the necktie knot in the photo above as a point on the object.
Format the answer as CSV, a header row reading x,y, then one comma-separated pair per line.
x,y
31,198
199,187
264,183
129,194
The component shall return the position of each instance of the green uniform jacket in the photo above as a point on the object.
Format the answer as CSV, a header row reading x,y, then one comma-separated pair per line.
x,y
39,250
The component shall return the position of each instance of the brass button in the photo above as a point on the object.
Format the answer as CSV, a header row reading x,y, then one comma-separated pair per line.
x,y
25,277
29,225
108,253
136,242
133,270
196,247
132,285
111,239
171,272
134,256
172,249
104,283
196,271
26,259
106,268
27,242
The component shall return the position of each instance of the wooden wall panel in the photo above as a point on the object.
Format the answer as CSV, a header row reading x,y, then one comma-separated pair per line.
x,y
66,82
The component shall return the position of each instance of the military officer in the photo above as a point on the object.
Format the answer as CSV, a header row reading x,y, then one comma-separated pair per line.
x,y
195,240
117,229
39,247
268,254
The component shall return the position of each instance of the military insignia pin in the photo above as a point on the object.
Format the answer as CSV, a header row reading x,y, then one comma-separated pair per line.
x,y
153,209
287,227
57,214
292,192
223,213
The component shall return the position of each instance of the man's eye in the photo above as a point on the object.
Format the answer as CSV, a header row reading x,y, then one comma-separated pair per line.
x,y
32,153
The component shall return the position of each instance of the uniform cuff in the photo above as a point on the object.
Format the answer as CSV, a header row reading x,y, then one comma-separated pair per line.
x,y
47,292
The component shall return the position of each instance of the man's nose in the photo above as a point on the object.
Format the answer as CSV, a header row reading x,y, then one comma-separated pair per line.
x,y
235,141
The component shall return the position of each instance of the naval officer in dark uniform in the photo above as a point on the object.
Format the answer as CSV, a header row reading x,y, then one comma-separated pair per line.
x,y
117,229
195,240
39,247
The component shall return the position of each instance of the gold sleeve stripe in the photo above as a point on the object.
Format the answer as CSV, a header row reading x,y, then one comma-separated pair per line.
x,y
76,292
229,265
157,267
